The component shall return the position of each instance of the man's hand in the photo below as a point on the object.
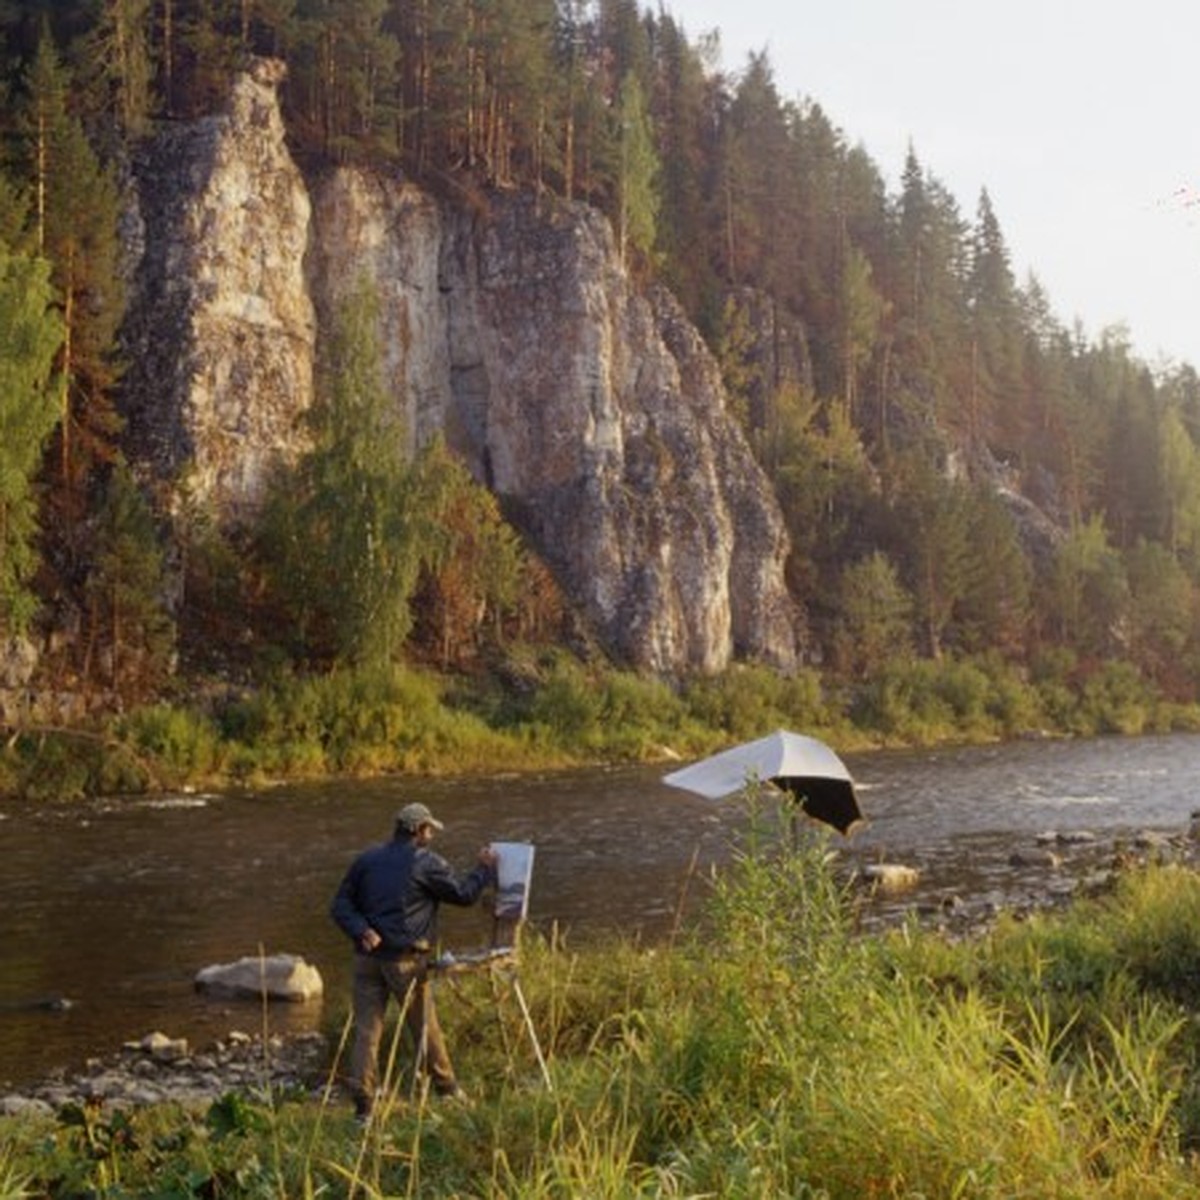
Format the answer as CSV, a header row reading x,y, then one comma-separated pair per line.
x,y
369,940
489,858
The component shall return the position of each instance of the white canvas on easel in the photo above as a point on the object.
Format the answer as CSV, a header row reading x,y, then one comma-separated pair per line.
x,y
514,876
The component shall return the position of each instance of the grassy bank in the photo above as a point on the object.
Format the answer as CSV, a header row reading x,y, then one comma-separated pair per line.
x,y
777,1054
547,710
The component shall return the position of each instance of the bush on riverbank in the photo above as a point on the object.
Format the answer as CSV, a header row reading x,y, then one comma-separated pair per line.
x,y
776,1053
547,710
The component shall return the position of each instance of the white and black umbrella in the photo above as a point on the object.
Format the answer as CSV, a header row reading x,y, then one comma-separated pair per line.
x,y
806,769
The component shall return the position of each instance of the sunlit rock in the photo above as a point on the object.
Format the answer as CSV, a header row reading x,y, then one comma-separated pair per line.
x,y
278,977
892,878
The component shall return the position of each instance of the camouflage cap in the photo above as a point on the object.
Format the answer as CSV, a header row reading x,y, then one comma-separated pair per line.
x,y
413,816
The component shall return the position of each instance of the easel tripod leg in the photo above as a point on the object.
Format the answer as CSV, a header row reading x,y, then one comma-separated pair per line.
x,y
533,1037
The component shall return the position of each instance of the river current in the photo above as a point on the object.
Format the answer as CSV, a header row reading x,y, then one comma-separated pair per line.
x,y
116,904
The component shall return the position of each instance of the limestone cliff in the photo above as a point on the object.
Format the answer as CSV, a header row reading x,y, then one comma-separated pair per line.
x,y
593,409
221,336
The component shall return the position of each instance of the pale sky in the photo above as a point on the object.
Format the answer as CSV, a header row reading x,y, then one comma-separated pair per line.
x,y
1080,118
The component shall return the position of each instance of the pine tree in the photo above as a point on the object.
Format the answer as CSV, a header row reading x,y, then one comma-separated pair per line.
x,y
75,219
347,74
994,407
637,176
930,318
1087,594
30,335
682,107
115,63
1162,625
130,635
934,530
861,314
994,610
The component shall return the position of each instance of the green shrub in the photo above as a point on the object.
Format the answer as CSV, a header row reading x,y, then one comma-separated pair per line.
x,y
1116,699
182,744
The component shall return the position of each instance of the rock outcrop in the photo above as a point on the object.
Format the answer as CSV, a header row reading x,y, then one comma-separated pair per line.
x,y
592,408
221,336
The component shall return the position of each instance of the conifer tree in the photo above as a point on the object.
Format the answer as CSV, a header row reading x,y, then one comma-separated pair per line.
x,y
1087,595
114,63
346,74
934,528
994,406
637,176
994,610
75,221
1179,480
874,621
30,335
930,301
861,314
130,635
682,106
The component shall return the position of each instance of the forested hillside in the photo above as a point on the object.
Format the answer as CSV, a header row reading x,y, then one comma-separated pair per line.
x,y
960,473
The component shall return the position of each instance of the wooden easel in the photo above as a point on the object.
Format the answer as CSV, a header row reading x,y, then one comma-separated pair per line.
x,y
499,960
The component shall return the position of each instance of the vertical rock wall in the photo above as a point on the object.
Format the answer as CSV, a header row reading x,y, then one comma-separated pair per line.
x,y
593,410
597,413
221,333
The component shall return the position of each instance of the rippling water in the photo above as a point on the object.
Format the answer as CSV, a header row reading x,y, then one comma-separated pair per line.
x,y
117,904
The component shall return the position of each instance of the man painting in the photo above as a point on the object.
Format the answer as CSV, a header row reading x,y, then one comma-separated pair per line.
x,y
387,905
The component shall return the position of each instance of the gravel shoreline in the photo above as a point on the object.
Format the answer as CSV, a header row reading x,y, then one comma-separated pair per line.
x,y
164,1070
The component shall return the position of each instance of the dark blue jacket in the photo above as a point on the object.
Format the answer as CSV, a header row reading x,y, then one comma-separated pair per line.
x,y
395,888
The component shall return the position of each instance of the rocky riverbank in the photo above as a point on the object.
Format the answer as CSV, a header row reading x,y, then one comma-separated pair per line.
x,y
159,1069
1053,870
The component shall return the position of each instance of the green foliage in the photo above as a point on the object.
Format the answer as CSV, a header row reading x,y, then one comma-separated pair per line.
x,y
923,701
1116,699
75,226
129,628
475,573
182,744
874,624
30,335
747,701
892,376
345,536
69,765
363,721
637,174
1088,590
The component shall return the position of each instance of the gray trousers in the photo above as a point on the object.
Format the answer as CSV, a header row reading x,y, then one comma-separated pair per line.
x,y
376,980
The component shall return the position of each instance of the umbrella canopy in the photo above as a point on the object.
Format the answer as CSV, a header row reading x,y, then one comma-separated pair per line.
x,y
807,769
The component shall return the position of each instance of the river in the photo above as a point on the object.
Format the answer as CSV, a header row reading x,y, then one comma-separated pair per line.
x,y
116,904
